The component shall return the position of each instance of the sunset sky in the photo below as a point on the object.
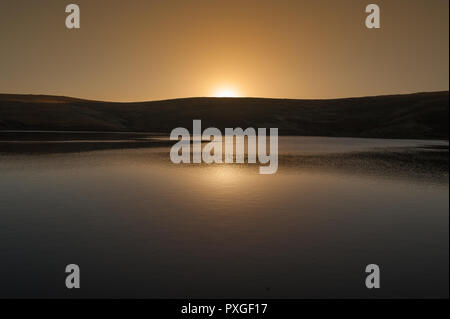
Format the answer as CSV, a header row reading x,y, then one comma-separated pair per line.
x,y
139,50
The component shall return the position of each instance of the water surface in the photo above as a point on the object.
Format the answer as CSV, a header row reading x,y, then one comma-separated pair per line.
x,y
140,226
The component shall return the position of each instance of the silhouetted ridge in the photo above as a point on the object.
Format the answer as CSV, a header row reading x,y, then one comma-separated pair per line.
x,y
419,115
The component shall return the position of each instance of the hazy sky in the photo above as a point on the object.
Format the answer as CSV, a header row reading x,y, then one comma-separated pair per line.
x,y
144,50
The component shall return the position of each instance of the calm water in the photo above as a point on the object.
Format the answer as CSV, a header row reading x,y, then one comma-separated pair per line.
x,y
139,226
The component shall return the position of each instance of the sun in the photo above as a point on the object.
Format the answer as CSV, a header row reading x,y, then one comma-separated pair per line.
x,y
225,92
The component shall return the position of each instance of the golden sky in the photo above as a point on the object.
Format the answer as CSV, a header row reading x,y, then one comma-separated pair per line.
x,y
139,50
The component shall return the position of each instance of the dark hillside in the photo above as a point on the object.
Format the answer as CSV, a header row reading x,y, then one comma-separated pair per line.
x,y
420,115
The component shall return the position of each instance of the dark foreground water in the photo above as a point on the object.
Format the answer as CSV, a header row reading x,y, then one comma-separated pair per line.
x,y
139,226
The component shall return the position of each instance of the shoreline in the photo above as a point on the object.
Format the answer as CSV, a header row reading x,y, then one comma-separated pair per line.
x,y
22,134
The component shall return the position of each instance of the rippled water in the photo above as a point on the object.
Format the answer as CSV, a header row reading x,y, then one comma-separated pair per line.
x,y
139,226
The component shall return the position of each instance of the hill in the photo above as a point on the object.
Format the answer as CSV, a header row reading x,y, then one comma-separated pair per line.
x,y
419,115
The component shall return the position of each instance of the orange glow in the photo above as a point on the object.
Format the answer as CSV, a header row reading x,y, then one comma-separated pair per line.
x,y
226,92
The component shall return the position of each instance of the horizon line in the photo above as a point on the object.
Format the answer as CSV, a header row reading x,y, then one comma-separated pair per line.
x,y
221,97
